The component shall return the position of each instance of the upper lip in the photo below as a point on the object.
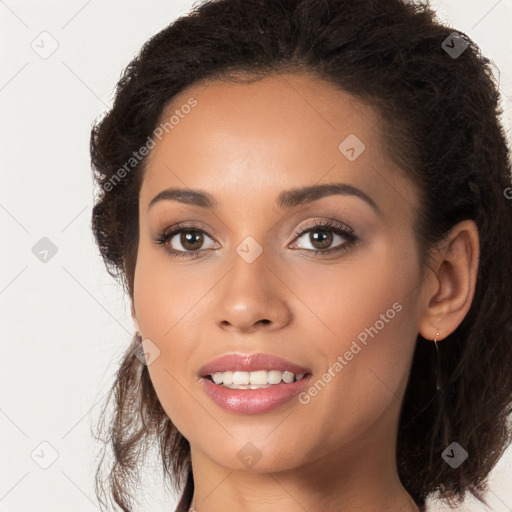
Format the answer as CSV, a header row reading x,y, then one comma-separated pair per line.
x,y
250,362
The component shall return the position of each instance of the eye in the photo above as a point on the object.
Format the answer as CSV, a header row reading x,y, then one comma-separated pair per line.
x,y
189,243
323,234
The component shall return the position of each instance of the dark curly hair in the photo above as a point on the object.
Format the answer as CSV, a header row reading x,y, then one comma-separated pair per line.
x,y
440,123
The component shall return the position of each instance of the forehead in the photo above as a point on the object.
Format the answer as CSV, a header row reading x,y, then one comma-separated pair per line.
x,y
275,133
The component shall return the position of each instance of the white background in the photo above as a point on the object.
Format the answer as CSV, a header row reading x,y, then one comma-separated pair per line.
x,y
65,323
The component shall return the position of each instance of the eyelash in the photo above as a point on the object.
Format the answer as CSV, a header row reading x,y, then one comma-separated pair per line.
x,y
339,229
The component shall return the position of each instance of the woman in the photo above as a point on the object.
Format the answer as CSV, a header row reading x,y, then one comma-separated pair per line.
x,y
306,202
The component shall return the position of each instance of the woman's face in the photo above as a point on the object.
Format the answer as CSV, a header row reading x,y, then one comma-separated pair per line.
x,y
248,284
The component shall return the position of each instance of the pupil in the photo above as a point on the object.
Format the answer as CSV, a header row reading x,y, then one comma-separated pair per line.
x,y
325,241
188,238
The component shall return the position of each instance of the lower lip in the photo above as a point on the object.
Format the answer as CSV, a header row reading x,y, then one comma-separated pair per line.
x,y
253,401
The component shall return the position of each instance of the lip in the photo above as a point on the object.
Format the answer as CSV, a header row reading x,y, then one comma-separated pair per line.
x,y
252,401
250,363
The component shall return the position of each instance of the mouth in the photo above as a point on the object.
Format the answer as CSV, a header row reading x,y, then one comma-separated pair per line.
x,y
252,383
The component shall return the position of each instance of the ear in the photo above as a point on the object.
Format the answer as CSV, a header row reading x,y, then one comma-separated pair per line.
x,y
449,290
134,318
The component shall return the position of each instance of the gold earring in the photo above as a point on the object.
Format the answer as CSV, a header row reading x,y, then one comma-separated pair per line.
x,y
438,383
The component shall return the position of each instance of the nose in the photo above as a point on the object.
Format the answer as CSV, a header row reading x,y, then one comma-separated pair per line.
x,y
252,297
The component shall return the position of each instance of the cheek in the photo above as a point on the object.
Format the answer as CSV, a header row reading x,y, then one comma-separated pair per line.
x,y
174,392
360,299
168,310
367,335
167,298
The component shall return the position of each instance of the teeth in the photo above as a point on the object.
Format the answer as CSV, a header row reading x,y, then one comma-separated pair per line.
x,y
274,377
288,377
240,378
259,377
254,380
223,377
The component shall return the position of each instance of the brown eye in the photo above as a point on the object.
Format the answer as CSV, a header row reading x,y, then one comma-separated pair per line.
x,y
184,241
191,240
322,235
321,239
187,240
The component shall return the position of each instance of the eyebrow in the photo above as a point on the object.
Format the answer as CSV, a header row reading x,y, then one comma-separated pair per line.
x,y
286,199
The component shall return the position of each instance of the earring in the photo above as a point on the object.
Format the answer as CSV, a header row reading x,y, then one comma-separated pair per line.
x,y
438,383
139,337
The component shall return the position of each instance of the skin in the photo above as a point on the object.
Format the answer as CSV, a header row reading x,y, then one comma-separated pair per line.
x,y
244,144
